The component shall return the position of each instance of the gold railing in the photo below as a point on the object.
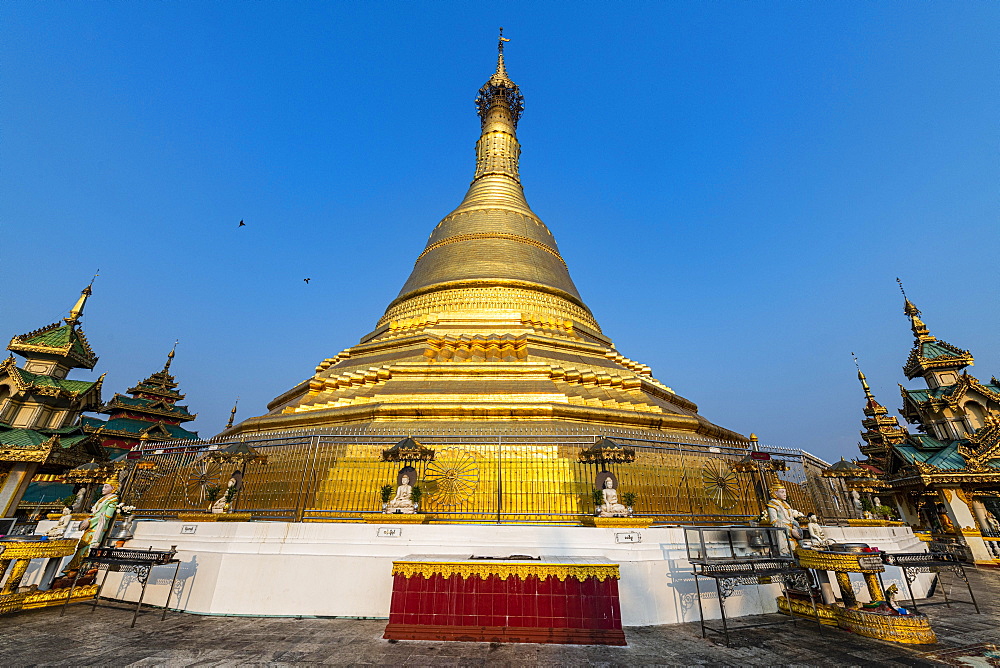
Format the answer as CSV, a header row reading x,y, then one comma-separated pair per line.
x,y
473,478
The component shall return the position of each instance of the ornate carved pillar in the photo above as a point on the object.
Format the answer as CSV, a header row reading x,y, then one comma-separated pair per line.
x,y
957,504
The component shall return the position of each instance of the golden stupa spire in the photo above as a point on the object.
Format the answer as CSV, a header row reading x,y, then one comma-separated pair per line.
x,y
77,311
492,251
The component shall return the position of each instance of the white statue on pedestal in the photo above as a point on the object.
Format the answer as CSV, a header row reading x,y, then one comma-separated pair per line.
x,y
816,533
611,506
60,529
402,502
780,514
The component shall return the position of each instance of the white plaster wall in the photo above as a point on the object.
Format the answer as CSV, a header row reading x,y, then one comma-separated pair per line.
x,y
344,570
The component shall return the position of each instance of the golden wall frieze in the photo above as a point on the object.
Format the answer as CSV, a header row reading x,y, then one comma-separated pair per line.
x,y
504,570
37,549
23,455
844,562
600,418
499,286
514,296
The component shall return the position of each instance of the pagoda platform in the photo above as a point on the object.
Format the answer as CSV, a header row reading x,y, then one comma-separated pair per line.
x,y
346,569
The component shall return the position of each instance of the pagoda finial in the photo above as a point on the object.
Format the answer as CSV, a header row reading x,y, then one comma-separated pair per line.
x,y
501,66
77,311
864,381
232,414
500,102
170,356
913,313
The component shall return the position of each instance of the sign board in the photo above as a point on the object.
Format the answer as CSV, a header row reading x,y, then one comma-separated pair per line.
x,y
760,456
628,537
189,528
389,532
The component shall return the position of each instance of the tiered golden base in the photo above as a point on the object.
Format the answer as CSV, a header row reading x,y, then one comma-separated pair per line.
x,y
910,629
214,517
397,518
618,522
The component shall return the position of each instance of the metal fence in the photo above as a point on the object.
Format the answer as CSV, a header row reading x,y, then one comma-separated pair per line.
x,y
497,478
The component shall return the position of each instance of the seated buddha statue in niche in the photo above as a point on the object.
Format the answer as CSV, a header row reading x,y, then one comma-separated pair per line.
x,y
611,506
402,502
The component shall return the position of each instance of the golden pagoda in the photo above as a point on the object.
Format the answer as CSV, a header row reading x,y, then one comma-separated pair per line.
x,y
489,332
489,386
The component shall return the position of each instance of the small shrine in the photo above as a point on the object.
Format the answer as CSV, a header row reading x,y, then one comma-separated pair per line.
x,y
945,478
151,413
40,433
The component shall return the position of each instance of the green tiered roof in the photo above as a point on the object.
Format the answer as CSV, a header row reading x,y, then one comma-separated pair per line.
x,y
150,412
59,340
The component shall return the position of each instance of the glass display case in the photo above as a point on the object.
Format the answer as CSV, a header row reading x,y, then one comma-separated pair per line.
x,y
707,545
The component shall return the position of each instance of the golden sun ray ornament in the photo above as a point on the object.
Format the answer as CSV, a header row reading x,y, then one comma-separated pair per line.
x,y
720,483
200,476
452,477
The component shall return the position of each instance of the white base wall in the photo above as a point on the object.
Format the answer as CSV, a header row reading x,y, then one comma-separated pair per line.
x,y
344,570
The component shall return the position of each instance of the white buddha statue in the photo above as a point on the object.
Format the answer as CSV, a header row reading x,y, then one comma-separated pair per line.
x,y
816,533
60,529
611,506
402,502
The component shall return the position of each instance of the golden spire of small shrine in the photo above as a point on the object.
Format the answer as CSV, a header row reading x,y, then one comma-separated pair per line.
x,y
864,381
913,313
232,414
170,356
77,311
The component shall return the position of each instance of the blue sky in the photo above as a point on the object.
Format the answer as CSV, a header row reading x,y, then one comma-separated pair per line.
x,y
735,186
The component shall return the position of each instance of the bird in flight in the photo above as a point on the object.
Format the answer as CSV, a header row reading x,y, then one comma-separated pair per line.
x,y
306,279
242,224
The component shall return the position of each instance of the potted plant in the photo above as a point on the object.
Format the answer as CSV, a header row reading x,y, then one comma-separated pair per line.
x,y
415,495
629,499
598,497
212,493
385,492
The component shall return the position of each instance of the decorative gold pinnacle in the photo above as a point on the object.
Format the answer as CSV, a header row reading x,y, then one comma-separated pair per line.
x,y
501,66
232,414
170,356
76,312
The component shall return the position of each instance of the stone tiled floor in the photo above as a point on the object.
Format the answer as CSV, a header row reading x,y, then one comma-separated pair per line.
x,y
103,638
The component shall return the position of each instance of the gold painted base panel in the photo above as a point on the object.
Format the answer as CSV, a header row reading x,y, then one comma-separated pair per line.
x,y
910,629
875,523
11,602
214,517
44,599
28,600
397,518
618,522
827,613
